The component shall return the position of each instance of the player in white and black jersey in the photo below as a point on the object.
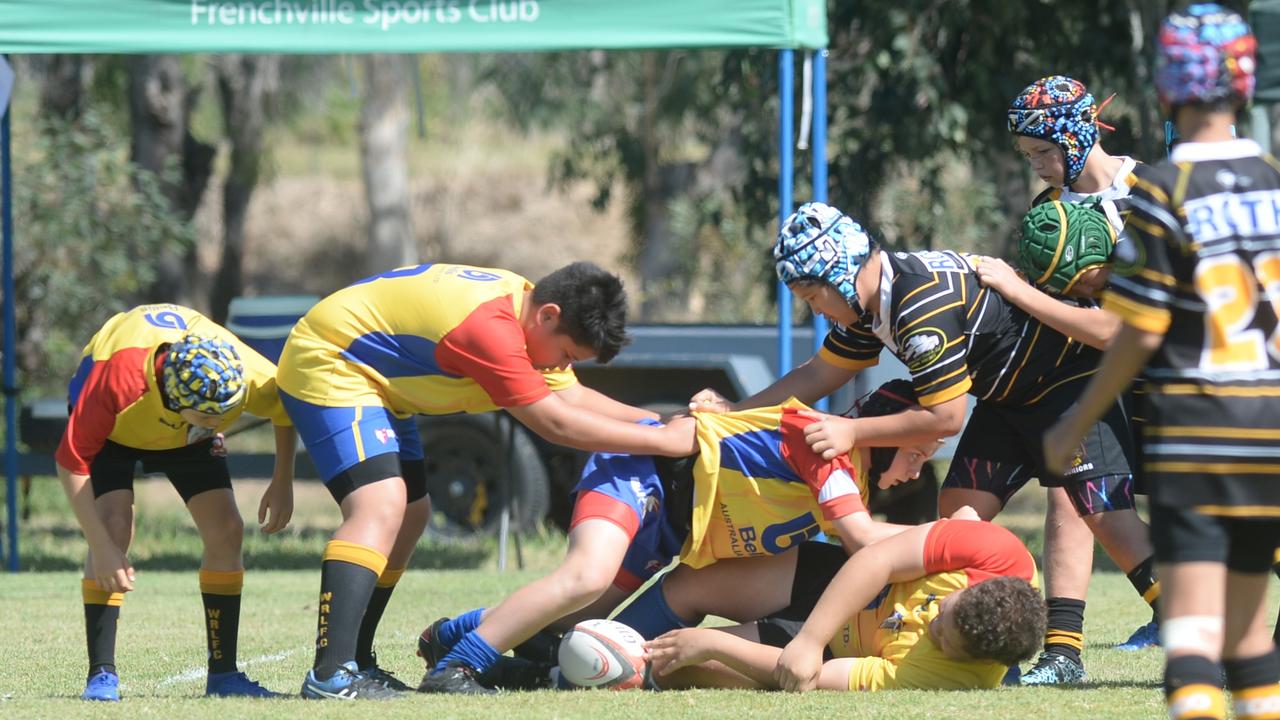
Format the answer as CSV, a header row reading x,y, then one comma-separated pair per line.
x,y
1200,314
956,337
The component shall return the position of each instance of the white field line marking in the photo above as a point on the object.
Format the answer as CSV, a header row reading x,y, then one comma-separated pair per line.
x,y
197,673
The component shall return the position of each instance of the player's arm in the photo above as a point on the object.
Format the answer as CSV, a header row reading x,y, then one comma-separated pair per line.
x,y
896,559
832,435
1120,364
858,530
843,355
1090,325
277,501
559,422
582,396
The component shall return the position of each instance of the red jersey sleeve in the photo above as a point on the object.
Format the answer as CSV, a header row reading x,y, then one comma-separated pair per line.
x,y
108,387
489,347
831,481
982,550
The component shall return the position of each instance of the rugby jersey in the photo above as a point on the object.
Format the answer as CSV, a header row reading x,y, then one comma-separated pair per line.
x,y
432,339
1206,227
1116,197
115,393
957,336
758,487
892,637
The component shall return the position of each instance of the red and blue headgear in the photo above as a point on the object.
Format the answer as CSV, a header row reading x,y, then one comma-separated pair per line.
x,y
203,374
1060,110
1205,54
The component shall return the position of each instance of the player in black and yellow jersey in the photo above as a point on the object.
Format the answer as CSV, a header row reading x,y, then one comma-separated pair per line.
x,y
1200,314
956,338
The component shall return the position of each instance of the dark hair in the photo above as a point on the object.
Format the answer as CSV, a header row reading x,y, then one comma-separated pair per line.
x,y
891,397
1001,619
593,306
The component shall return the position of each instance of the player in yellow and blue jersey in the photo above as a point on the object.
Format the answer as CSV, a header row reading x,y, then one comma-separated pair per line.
x,y
157,385
434,339
753,489
1201,309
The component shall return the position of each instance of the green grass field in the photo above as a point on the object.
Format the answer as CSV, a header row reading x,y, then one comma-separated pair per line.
x,y
161,645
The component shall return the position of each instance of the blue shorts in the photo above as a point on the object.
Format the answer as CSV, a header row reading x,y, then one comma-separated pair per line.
x,y
627,491
339,438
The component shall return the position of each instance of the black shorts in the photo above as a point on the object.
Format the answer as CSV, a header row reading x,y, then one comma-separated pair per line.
x,y
191,469
1245,545
816,566
1001,449
377,468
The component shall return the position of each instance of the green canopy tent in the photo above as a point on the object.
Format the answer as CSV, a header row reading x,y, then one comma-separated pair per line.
x,y
412,26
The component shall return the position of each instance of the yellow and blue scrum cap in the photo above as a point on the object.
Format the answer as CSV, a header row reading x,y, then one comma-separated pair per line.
x,y
203,374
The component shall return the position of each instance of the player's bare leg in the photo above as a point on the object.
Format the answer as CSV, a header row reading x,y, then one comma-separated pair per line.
x,y
986,504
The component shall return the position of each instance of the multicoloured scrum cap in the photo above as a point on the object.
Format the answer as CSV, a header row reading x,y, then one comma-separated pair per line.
x,y
1059,110
891,397
1205,54
203,374
820,242
1060,241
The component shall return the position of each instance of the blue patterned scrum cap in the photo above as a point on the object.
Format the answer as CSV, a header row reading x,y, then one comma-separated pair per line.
x,y
1060,110
203,374
1205,54
819,242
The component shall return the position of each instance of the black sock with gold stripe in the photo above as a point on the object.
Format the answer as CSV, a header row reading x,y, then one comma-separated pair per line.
x,y
347,577
373,615
101,616
1193,689
1255,686
220,591
1143,579
1064,633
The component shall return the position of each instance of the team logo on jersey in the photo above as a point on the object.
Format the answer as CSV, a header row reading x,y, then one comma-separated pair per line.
x,y
922,348
479,276
384,435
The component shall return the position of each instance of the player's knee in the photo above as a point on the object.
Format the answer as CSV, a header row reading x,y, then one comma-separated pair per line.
x,y
416,515
119,525
582,582
227,533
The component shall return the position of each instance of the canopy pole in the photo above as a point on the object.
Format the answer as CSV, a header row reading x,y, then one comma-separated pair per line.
x,y
10,366
786,130
820,177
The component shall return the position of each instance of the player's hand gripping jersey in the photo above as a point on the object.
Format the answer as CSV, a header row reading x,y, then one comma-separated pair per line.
x,y
432,339
114,394
892,636
757,490
956,336
1207,250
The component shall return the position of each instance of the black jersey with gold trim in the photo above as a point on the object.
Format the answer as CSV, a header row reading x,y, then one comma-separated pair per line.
x,y
1206,275
956,336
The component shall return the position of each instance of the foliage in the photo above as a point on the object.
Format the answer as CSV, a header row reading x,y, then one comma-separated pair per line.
x,y
88,225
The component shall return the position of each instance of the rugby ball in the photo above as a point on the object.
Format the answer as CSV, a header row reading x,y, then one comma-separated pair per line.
x,y
602,654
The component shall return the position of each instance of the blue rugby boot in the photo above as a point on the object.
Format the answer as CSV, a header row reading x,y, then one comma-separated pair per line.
x,y
1054,669
1144,637
103,685
348,683
235,684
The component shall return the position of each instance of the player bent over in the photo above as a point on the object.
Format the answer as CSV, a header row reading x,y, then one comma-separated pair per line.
x,y
157,385
944,606
433,339
754,488
1200,318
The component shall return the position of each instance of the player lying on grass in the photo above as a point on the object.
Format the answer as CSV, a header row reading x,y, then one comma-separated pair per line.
x,y
754,488
1200,314
157,385
956,337
944,606
433,339
1056,127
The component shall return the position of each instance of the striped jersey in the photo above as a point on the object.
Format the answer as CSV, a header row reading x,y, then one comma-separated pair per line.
x,y
956,336
432,339
1206,275
758,487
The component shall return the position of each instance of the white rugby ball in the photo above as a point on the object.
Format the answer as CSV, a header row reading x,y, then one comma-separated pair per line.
x,y
602,654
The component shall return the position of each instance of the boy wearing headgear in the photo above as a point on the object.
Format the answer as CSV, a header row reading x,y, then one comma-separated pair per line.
x,y
956,337
1200,318
158,384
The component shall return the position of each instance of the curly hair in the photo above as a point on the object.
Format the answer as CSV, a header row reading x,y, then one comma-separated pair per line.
x,y
1001,619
